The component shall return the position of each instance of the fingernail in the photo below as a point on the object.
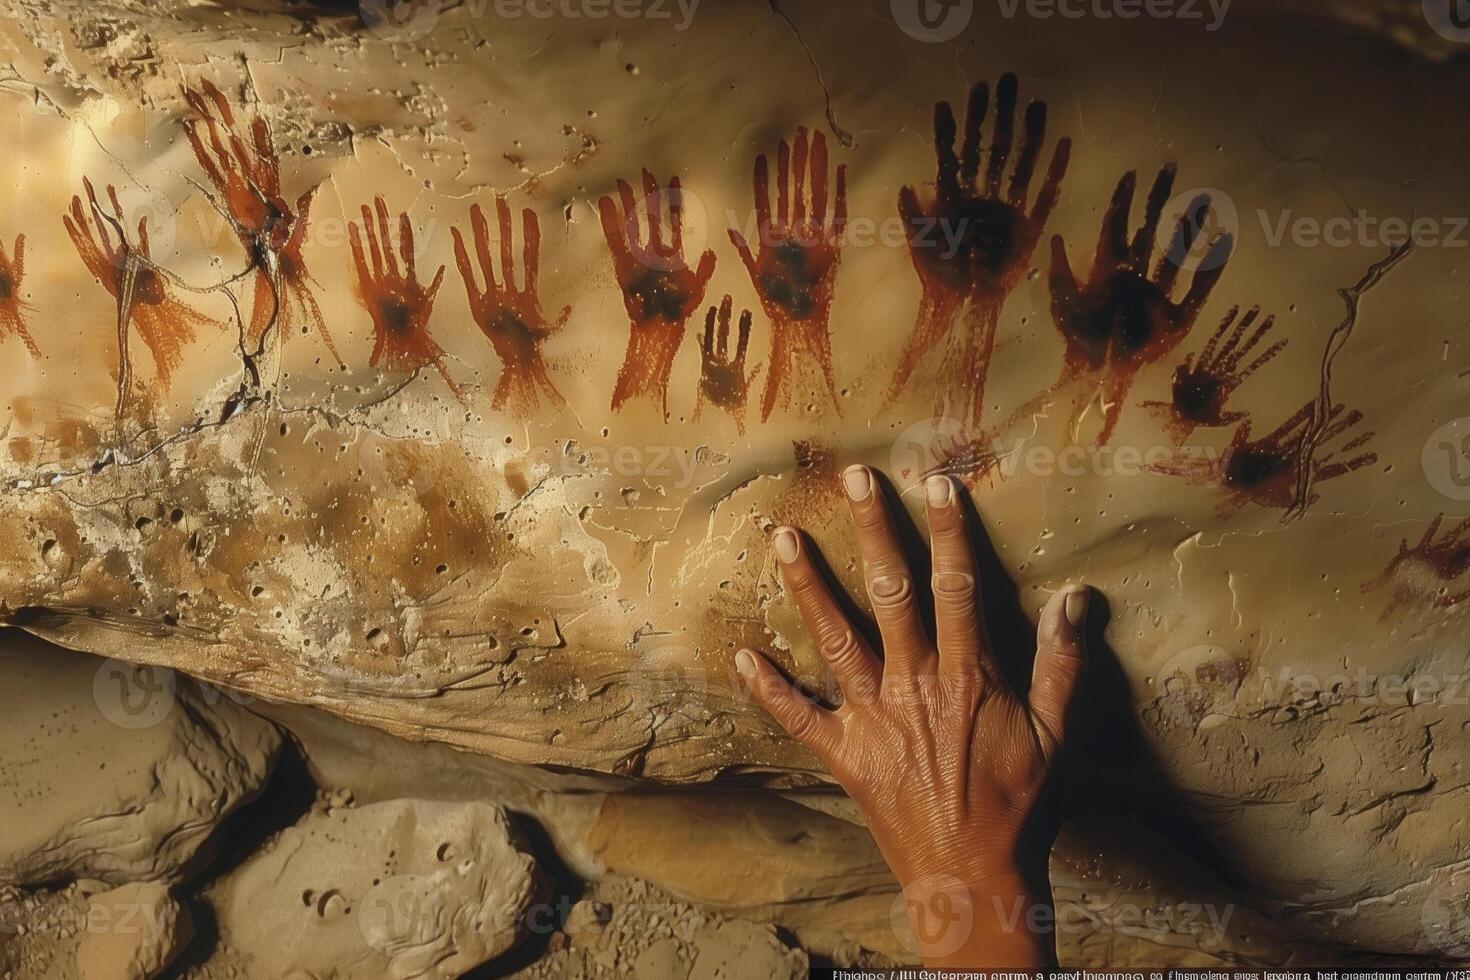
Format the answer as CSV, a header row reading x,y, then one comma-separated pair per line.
x,y
786,545
939,491
745,663
1077,605
858,481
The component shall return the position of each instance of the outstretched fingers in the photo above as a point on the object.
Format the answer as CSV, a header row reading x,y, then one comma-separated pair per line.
x,y
959,625
859,673
802,719
1061,664
890,582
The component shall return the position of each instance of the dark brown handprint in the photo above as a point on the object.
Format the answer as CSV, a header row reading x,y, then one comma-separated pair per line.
x,y
1432,572
508,315
144,297
1121,317
398,303
1269,471
248,178
722,377
12,308
1202,385
660,290
795,265
972,245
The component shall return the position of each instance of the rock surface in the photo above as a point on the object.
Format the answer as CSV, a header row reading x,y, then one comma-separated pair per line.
x,y
113,774
1281,695
133,933
401,889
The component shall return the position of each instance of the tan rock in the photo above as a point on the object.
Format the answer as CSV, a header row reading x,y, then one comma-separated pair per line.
x,y
402,889
114,772
133,933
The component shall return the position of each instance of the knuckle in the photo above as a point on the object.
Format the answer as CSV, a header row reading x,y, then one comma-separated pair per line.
x,y
953,587
890,588
838,644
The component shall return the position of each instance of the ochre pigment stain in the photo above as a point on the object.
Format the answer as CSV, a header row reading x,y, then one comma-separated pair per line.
x,y
143,296
1204,383
660,290
723,380
510,316
12,310
248,179
1268,471
397,302
1432,572
1121,317
972,245
794,267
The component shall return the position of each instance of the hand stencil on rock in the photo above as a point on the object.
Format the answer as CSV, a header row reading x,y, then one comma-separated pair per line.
x,y
1122,317
794,266
12,309
972,244
660,290
722,376
248,177
397,302
510,316
1204,383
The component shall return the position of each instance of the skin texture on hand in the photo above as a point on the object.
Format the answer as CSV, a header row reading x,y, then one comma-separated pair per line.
x,y
949,765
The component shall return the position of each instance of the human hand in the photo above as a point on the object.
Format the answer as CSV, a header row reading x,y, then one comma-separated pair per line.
x,y
947,762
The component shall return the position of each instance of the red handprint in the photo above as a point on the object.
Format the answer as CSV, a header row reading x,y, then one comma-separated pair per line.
x,y
144,297
722,377
12,309
1270,471
796,264
972,245
1121,318
248,177
1414,570
398,303
660,291
510,317
1203,385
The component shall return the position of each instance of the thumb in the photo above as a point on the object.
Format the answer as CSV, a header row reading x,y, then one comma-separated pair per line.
x,y
1061,662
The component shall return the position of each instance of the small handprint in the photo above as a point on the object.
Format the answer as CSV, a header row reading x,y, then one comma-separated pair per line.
x,y
398,303
1122,318
12,308
972,245
722,377
1202,385
511,317
248,177
1280,469
660,290
795,265
144,297
1413,571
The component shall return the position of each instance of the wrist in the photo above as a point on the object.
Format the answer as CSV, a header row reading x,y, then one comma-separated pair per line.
x,y
1002,918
